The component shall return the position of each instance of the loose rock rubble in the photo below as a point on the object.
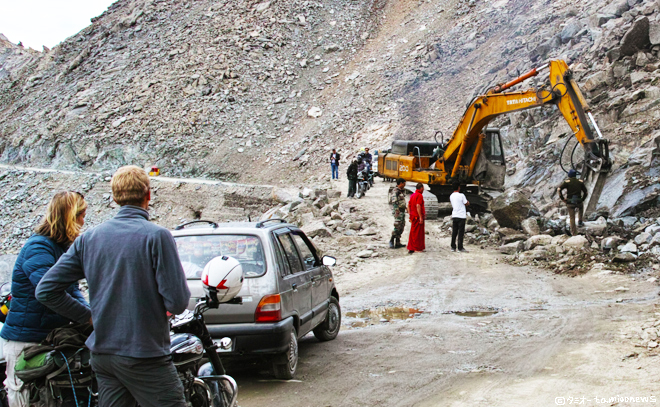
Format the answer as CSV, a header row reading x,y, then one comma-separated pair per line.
x,y
616,245
332,222
647,336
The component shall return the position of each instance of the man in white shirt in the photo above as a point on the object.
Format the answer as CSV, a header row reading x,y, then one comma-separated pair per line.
x,y
458,215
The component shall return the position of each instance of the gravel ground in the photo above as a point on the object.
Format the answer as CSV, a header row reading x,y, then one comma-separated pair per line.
x,y
551,335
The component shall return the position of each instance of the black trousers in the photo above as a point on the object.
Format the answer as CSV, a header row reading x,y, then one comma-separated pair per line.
x,y
352,187
457,231
151,382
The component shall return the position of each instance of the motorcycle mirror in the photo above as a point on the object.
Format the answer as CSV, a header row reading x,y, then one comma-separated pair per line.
x,y
329,261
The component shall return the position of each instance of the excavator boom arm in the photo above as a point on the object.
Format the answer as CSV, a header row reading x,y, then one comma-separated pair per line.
x,y
563,92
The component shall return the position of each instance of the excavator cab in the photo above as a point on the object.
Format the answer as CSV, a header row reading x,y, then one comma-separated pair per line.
x,y
490,168
493,147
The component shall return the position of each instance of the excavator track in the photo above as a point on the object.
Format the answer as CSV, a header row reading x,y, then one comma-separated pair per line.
x,y
430,202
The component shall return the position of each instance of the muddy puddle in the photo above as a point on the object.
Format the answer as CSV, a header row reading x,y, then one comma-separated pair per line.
x,y
475,313
381,314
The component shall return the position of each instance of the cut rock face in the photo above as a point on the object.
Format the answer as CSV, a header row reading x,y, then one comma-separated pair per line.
x,y
511,208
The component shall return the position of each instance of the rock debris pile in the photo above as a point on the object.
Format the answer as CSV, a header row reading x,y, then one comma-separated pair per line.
x,y
331,221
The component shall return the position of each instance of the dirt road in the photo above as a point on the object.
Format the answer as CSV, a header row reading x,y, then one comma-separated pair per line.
x,y
527,337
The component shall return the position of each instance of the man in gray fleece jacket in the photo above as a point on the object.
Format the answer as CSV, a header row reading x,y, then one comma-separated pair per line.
x,y
135,277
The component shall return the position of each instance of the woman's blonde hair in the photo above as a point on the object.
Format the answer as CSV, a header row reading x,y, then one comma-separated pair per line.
x,y
61,220
130,185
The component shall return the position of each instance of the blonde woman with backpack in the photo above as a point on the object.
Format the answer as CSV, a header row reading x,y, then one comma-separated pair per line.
x,y
28,321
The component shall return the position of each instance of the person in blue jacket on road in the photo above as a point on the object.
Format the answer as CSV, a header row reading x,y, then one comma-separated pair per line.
x,y
29,321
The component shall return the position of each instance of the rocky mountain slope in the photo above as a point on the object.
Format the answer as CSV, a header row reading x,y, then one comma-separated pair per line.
x,y
260,91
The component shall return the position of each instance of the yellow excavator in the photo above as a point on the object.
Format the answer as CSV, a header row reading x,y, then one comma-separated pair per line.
x,y
474,155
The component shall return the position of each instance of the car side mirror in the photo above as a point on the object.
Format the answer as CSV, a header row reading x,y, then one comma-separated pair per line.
x,y
329,261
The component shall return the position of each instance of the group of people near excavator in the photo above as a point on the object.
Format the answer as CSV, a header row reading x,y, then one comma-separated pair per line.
x,y
417,213
362,162
576,194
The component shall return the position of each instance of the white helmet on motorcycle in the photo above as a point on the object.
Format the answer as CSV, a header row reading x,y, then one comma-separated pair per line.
x,y
225,274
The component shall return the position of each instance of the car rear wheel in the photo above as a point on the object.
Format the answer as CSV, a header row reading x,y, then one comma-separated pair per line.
x,y
287,370
329,328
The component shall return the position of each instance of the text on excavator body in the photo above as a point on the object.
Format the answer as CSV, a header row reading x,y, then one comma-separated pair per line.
x,y
519,101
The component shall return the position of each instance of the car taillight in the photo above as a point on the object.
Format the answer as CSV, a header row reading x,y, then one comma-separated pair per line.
x,y
269,309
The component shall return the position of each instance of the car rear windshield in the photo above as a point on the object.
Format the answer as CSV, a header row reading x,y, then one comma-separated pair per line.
x,y
196,251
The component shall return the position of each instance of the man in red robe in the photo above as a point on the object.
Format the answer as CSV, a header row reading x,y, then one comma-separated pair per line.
x,y
417,217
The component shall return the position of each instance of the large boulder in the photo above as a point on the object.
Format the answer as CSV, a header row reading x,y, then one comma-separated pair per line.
x,y
365,254
316,229
538,240
654,32
347,207
577,242
595,228
629,247
624,257
653,229
307,218
512,248
636,38
595,81
492,224
514,238
269,214
571,29
617,8
610,243
559,240
509,235
370,231
655,241
531,226
334,194
511,208
533,255
283,195
643,238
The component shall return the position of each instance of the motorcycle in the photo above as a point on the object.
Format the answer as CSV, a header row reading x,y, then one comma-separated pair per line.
x,y
362,183
208,385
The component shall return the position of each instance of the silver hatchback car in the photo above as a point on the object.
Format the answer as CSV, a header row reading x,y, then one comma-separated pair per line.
x,y
288,289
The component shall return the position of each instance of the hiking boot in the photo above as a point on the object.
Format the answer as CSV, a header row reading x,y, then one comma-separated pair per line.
x,y
453,250
398,245
411,251
392,243
580,223
462,250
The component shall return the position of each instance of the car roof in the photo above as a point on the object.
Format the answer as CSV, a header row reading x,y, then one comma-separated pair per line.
x,y
231,228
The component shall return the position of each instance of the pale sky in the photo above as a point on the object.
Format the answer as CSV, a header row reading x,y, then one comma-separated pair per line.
x,y
47,22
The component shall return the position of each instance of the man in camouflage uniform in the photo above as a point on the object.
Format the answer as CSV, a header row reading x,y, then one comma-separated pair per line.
x,y
398,203
576,193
